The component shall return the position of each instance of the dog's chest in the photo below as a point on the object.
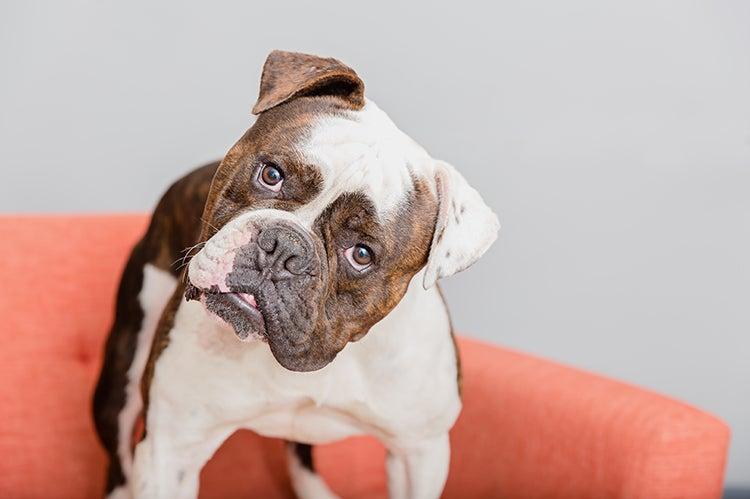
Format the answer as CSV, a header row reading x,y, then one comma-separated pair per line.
x,y
303,419
383,385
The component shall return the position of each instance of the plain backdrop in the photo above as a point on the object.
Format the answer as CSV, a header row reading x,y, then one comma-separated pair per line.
x,y
613,140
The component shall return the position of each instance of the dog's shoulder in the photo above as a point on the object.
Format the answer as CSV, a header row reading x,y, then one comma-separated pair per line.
x,y
176,222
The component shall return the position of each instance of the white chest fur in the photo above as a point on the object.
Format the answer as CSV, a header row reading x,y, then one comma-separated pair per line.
x,y
398,383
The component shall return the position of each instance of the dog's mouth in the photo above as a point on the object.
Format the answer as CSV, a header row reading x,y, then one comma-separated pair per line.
x,y
239,310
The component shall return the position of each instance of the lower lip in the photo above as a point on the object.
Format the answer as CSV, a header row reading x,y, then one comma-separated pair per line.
x,y
244,302
242,306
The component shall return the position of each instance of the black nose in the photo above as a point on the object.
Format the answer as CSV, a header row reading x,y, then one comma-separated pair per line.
x,y
284,250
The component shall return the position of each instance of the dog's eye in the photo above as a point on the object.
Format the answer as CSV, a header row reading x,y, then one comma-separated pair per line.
x,y
271,176
359,256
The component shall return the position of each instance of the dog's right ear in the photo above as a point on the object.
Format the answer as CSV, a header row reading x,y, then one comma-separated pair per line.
x,y
287,75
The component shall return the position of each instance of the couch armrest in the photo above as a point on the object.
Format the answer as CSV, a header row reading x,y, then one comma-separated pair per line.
x,y
534,428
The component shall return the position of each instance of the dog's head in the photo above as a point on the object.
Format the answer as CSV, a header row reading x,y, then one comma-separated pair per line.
x,y
322,213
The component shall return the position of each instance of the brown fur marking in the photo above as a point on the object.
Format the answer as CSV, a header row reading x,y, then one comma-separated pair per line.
x,y
287,75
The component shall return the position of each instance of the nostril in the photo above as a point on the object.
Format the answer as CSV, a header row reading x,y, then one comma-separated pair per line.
x,y
267,242
296,264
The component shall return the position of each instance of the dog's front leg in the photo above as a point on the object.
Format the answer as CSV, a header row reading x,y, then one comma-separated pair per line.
x,y
167,463
418,470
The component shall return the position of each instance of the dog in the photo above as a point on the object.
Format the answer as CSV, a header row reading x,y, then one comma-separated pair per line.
x,y
308,309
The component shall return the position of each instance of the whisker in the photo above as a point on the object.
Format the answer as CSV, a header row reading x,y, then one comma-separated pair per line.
x,y
184,275
187,254
209,224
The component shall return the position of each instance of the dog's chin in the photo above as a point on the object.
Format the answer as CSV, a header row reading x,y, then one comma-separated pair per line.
x,y
300,363
245,316
240,312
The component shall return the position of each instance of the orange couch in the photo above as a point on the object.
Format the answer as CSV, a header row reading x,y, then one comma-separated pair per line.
x,y
530,428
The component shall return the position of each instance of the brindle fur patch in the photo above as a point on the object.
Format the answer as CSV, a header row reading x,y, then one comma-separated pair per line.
x,y
287,75
357,300
274,138
174,227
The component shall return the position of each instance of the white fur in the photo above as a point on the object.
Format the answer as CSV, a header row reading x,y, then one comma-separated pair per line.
x,y
306,484
207,384
157,287
399,383
466,227
364,151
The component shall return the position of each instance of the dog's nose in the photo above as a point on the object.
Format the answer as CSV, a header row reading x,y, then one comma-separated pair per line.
x,y
286,249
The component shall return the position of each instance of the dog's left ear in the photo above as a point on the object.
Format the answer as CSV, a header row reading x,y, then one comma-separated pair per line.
x,y
465,228
287,75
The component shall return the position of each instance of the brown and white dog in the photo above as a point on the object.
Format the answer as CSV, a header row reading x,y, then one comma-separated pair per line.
x,y
310,310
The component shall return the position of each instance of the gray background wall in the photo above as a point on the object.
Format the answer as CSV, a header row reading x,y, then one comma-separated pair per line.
x,y
613,141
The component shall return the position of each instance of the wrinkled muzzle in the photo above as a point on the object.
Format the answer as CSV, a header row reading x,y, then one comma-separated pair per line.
x,y
264,276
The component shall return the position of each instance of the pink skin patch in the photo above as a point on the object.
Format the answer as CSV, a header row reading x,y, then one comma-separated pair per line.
x,y
222,269
215,261
210,267
250,299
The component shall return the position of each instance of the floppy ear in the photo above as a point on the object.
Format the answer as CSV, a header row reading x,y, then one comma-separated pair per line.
x,y
465,228
287,75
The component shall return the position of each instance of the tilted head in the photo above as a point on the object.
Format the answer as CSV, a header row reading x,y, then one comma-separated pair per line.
x,y
323,212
